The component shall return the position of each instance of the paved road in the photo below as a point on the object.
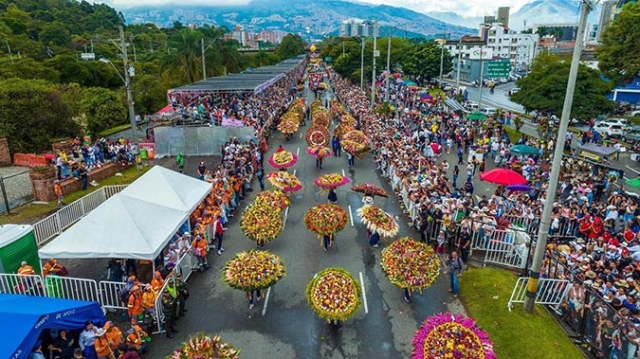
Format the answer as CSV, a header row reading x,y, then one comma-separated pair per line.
x,y
284,326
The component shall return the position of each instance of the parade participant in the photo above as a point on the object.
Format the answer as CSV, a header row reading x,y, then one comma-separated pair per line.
x,y
86,340
169,303
114,337
134,303
149,299
332,197
101,344
157,282
253,296
137,338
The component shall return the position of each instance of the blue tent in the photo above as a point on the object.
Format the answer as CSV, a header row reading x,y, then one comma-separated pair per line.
x,y
24,317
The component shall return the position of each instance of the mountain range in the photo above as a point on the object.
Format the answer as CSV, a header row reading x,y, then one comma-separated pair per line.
x,y
532,13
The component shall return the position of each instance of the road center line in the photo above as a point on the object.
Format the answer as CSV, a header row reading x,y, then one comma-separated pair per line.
x,y
266,300
364,296
294,172
284,221
350,215
343,175
300,135
298,151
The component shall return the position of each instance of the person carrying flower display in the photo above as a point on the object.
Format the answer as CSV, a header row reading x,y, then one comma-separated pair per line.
x,y
332,197
253,297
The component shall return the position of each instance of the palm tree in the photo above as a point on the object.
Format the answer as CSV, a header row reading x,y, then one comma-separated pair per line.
x,y
184,54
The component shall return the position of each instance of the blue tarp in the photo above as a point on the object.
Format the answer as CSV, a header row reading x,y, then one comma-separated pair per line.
x,y
24,317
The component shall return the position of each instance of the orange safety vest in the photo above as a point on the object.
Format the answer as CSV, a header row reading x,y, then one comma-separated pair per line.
x,y
26,270
149,299
102,347
134,306
57,189
135,338
157,284
114,336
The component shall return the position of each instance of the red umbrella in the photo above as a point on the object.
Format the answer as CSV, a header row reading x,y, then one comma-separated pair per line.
x,y
502,176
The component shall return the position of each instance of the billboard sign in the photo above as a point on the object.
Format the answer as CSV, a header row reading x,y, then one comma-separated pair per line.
x,y
481,53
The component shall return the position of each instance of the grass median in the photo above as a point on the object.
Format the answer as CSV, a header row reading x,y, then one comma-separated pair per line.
x,y
515,334
31,213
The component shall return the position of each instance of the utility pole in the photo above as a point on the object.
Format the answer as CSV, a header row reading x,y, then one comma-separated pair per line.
x,y
459,59
127,84
373,72
362,64
545,220
481,80
442,42
386,93
204,66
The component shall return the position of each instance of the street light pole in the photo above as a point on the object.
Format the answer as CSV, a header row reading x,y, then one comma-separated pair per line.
x,y
459,59
204,65
545,220
481,80
386,93
362,65
373,72
442,42
128,87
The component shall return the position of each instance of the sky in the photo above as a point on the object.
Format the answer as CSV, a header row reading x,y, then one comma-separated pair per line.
x,y
461,7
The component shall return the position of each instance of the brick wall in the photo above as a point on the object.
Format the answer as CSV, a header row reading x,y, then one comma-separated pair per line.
x,y
97,174
43,186
5,156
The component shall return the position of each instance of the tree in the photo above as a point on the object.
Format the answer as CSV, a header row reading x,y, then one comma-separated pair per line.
x,y
55,33
32,112
103,108
291,46
424,60
545,87
70,69
618,55
149,94
185,54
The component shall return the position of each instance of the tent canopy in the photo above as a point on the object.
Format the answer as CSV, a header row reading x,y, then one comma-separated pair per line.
x,y
136,223
25,317
598,149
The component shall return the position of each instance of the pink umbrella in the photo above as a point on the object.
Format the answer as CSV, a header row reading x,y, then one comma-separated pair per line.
x,y
503,176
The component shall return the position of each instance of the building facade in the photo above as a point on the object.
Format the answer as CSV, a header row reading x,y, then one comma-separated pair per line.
x,y
356,27
610,10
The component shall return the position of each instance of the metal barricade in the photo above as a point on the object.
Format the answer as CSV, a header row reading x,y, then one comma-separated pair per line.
x,y
73,288
109,295
70,213
109,191
92,201
11,283
46,229
507,254
550,291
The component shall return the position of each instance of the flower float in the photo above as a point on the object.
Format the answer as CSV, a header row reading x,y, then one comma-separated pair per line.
x,y
253,270
410,264
331,181
205,347
275,199
317,136
445,336
378,221
326,219
284,181
369,189
334,294
283,159
261,223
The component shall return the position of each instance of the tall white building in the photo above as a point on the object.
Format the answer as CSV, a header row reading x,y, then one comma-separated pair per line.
x,y
356,27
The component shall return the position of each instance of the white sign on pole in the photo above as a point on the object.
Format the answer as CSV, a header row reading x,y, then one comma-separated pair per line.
x,y
481,53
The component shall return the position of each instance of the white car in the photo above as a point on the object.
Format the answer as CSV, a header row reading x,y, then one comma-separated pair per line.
x,y
513,90
635,113
615,121
489,111
472,106
609,129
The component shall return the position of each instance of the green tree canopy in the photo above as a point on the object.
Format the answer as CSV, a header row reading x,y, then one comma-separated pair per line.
x,y
424,60
545,87
103,109
291,46
619,55
32,112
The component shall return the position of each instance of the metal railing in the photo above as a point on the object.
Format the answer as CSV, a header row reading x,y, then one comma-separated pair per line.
x,y
109,295
550,291
56,223
507,254
22,284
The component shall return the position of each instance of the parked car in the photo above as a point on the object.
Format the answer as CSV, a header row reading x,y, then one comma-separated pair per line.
x,y
472,106
609,129
635,113
445,86
513,90
615,121
631,134
489,111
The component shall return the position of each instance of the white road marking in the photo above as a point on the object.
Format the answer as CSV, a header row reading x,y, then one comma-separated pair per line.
x,y
286,214
300,135
364,296
266,300
294,172
343,175
298,152
351,215
636,171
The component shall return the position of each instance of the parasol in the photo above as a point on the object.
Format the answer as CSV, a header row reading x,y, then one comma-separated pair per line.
x,y
320,151
634,182
326,219
524,150
284,181
283,159
519,188
378,221
410,264
273,199
370,189
476,116
503,176
253,270
334,294
410,83
331,181
260,223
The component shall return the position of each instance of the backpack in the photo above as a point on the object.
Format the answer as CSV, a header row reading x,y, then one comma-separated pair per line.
x,y
124,294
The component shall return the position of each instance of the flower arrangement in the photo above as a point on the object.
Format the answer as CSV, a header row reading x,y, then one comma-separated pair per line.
x,y
284,181
317,136
342,129
283,159
356,136
331,181
253,270
289,124
320,118
334,294
370,190
275,199
445,336
203,346
378,221
354,148
410,264
326,219
261,223
384,108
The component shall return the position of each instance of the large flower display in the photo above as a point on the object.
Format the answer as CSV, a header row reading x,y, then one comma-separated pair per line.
x,y
410,264
355,142
317,136
253,270
369,189
378,221
283,159
331,181
445,336
326,219
275,199
203,346
284,181
334,294
319,115
261,223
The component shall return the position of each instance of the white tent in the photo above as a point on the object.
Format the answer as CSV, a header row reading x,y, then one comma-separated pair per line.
x,y
135,223
168,188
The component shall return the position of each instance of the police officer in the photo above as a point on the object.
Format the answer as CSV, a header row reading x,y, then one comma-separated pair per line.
x,y
183,294
169,304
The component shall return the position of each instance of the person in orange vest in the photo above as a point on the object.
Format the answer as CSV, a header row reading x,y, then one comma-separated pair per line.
x,y
137,337
102,345
157,282
26,269
114,337
53,267
149,299
134,304
200,248
57,190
